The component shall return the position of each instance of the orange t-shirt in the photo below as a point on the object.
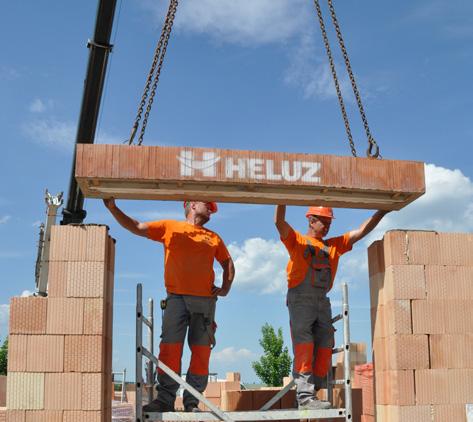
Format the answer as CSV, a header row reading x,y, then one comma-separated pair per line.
x,y
189,253
296,243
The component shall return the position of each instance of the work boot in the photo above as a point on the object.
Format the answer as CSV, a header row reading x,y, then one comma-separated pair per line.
x,y
192,408
158,406
314,404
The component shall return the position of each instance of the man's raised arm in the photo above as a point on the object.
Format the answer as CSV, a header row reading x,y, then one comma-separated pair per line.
x,y
124,220
280,220
367,226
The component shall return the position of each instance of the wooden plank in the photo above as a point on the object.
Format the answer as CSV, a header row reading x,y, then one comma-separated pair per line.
x,y
254,177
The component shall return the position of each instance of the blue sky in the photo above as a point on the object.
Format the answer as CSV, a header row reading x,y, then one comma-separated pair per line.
x,y
247,74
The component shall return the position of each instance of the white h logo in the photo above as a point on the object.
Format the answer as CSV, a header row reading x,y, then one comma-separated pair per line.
x,y
207,165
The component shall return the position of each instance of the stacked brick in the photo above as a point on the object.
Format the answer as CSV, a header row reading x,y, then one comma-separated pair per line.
x,y
59,357
422,325
364,380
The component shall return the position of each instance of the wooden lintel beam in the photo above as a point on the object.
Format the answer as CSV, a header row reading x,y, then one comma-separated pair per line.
x,y
184,173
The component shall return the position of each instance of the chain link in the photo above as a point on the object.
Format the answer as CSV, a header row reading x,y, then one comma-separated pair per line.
x,y
158,59
371,141
335,78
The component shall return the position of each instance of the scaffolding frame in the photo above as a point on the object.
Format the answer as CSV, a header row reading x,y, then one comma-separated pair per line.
x,y
215,413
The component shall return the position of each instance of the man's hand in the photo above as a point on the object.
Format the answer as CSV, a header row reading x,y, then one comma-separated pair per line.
x,y
219,291
110,203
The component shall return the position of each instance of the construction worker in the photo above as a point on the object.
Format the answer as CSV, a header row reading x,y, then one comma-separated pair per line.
x,y
310,273
190,250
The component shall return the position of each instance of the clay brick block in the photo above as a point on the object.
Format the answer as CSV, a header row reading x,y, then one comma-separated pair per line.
x,y
428,316
63,391
448,282
288,401
404,282
233,376
423,247
395,387
84,354
28,315
94,314
367,418
214,400
237,400
458,316
25,391
456,249
261,397
15,415
17,351
57,278
444,386
231,385
406,351
447,413
214,389
376,258
376,282
86,279
398,317
83,416
68,243
45,354
450,351
390,413
395,250
92,392
43,416
380,354
65,316
97,243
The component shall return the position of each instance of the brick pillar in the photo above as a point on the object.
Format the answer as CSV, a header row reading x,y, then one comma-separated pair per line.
x,y
60,347
421,289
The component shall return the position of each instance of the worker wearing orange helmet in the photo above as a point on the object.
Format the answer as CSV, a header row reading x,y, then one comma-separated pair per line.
x,y
189,253
310,274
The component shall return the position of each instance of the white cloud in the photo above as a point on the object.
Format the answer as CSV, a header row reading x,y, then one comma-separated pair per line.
x,y
4,313
8,73
309,70
232,355
5,219
26,293
447,205
59,135
51,133
39,106
243,22
260,265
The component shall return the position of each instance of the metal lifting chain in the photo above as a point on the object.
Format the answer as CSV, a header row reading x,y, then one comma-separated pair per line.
x,y
335,78
155,71
372,143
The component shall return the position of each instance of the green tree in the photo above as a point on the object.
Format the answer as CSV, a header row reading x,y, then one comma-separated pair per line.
x,y
275,363
4,357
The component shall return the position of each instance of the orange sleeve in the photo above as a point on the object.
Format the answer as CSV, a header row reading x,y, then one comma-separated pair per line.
x,y
156,230
341,243
222,253
290,240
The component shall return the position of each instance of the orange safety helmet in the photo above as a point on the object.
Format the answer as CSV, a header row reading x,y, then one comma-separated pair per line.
x,y
320,212
212,205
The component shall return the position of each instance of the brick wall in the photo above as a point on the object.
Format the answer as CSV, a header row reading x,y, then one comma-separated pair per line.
x,y
422,325
59,358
